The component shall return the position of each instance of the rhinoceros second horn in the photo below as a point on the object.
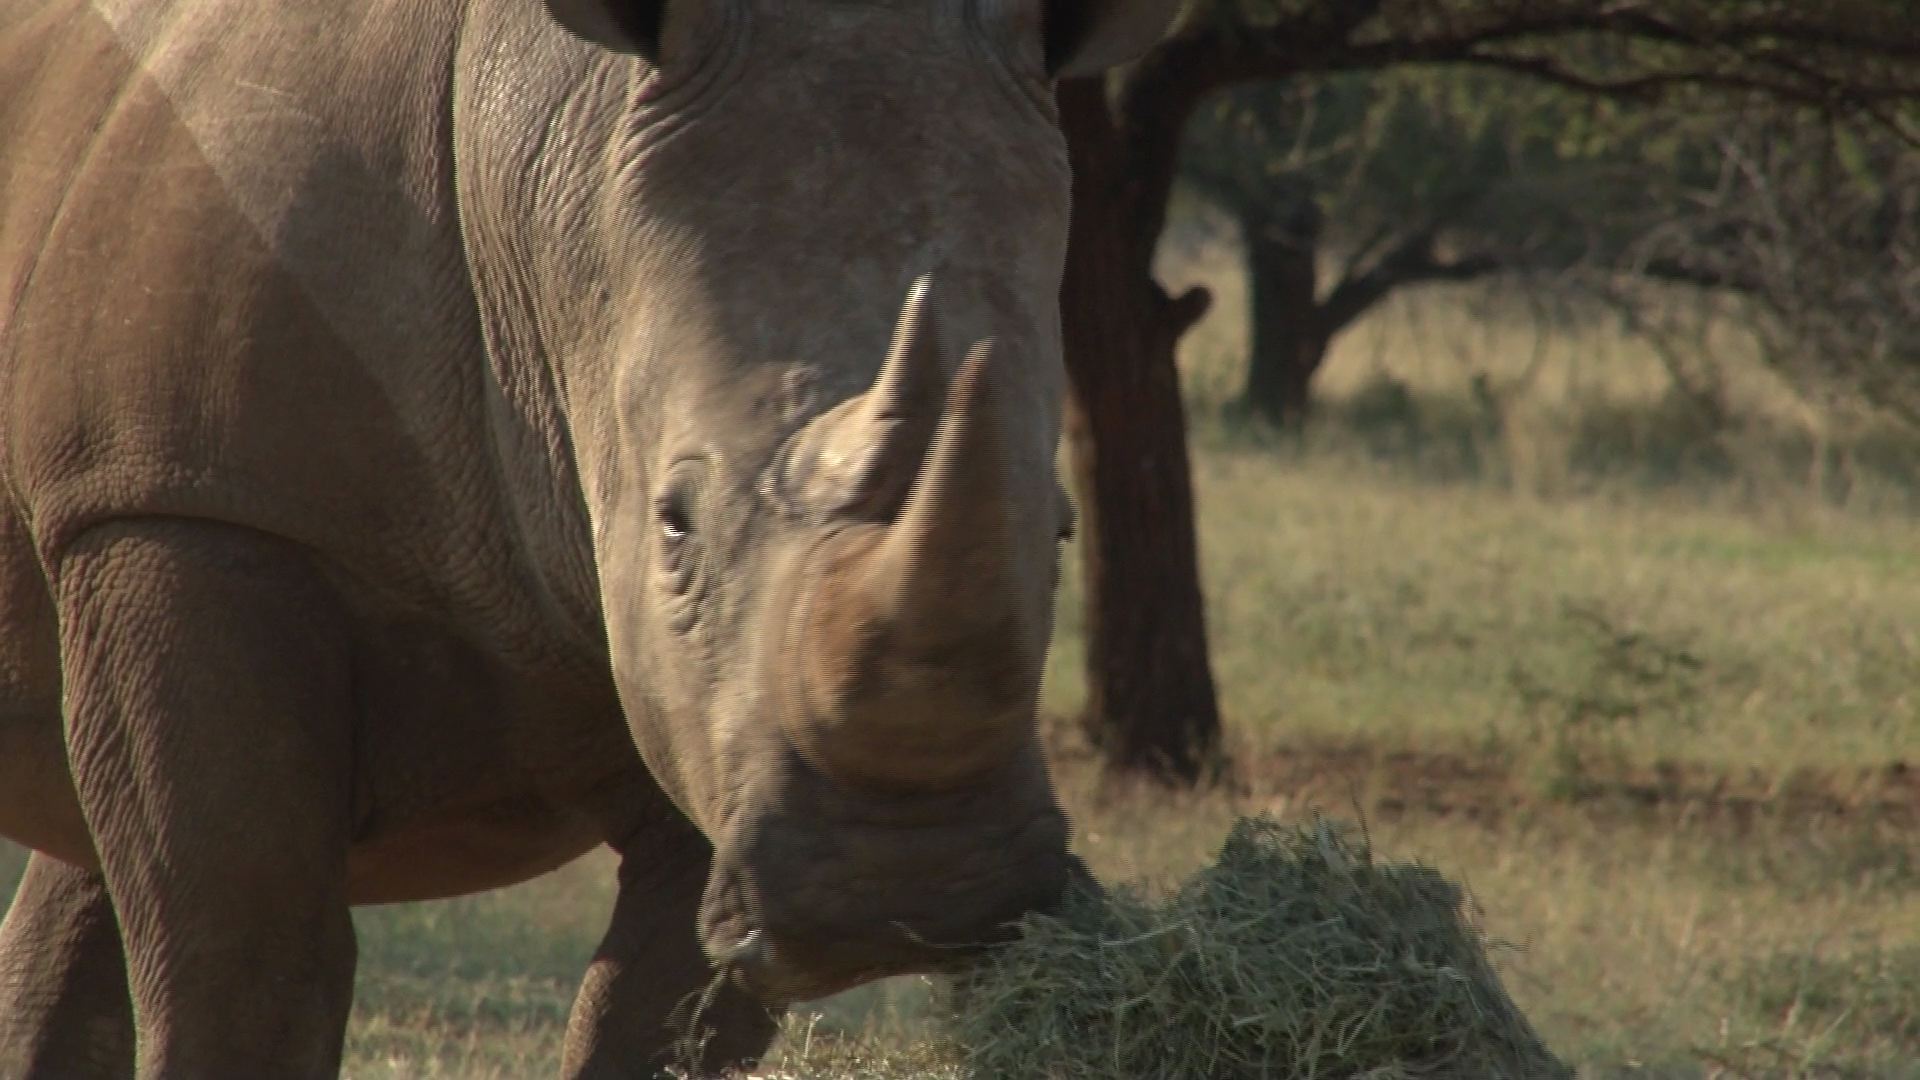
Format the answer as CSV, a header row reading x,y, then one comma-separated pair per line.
x,y
915,652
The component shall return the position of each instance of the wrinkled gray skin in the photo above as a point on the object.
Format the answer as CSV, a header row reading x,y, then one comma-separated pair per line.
x,y
409,408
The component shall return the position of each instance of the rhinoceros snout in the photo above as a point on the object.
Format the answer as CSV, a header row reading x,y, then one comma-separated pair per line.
x,y
810,908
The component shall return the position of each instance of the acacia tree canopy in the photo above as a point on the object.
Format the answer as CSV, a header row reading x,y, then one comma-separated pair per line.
x,y
1352,185
1843,56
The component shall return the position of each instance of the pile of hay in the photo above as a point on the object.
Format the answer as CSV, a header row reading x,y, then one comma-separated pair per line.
x,y
1294,955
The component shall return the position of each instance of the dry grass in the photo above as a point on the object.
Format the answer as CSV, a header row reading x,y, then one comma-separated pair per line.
x,y
1670,941
1292,954
1347,603
1668,944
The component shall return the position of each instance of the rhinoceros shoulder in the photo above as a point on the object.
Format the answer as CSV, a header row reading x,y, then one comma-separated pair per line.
x,y
235,289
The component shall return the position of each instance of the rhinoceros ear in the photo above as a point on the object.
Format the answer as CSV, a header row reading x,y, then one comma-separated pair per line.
x,y
630,26
1085,37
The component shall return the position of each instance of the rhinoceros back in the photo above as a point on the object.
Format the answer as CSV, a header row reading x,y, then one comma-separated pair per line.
x,y
234,287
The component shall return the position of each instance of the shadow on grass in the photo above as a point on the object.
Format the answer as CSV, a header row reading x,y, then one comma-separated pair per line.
x,y
503,963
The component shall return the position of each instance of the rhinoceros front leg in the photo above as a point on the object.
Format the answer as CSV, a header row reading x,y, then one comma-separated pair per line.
x,y
649,978
209,724
64,1013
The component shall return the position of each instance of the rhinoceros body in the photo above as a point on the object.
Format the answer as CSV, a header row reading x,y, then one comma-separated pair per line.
x,y
408,410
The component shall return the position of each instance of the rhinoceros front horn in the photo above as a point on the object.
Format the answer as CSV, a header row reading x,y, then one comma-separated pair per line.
x,y
860,460
918,658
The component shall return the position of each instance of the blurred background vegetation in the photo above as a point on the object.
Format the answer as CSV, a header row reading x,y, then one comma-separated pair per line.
x,y
1668,168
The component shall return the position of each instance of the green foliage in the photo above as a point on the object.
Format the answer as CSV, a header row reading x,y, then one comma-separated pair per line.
x,y
1816,225
1533,176
1423,140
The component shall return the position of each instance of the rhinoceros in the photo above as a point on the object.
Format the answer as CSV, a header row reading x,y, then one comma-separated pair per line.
x,y
443,437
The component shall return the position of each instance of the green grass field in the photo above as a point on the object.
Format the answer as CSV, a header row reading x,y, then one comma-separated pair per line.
x,y
1649,685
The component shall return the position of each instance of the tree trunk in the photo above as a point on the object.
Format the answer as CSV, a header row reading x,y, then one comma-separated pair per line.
x,y
1150,697
1289,333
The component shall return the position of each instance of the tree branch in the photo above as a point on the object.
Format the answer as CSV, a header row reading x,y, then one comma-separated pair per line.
x,y
1188,308
1725,51
1413,260
1706,277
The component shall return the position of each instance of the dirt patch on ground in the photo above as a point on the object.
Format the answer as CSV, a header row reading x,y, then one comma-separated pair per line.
x,y
1383,782
1443,784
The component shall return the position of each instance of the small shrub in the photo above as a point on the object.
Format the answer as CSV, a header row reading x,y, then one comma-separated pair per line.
x,y
1621,676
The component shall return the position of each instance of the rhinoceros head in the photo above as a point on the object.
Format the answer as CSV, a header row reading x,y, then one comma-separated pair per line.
x,y
795,264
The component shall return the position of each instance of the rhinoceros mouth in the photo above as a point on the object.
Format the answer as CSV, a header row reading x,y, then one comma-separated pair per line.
x,y
807,905
779,972
782,969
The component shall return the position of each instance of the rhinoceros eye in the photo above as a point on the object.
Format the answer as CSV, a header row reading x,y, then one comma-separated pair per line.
x,y
677,511
677,506
676,516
